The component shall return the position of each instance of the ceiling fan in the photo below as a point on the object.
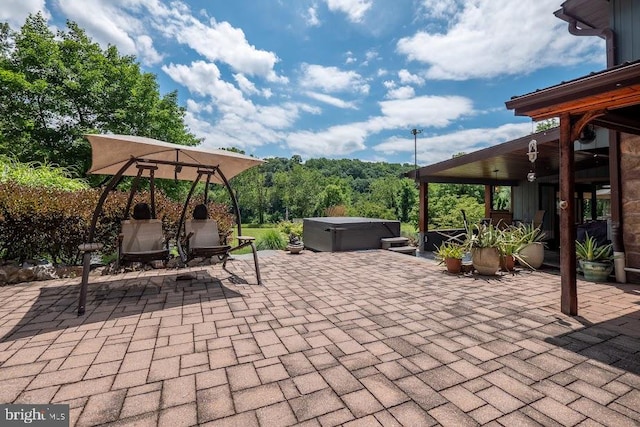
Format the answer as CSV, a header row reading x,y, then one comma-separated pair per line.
x,y
587,135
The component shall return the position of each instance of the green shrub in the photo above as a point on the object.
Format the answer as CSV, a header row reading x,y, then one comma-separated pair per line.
x,y
271,239
289,228
39,175
48,222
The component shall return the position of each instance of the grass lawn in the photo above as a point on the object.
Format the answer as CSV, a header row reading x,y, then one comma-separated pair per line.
x,y
249,231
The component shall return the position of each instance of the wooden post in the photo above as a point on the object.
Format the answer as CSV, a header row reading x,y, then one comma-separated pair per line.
x,y
488,200
423,212
569,293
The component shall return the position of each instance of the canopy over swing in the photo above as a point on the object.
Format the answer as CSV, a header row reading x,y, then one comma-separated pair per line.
x,y
128,155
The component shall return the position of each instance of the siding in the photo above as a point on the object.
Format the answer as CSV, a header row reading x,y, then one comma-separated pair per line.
x,y
625,15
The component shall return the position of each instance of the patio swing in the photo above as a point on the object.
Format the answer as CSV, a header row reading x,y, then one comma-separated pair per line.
x,y
141,239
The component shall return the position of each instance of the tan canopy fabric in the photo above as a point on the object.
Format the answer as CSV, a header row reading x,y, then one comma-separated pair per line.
x,y
111,152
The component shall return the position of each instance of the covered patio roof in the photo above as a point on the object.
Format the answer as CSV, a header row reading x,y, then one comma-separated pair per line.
x,y
504,164
610,98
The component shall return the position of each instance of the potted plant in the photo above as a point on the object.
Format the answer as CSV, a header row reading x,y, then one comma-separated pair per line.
x,y
295,245
451,253
484,245
596,261
531,253
509,247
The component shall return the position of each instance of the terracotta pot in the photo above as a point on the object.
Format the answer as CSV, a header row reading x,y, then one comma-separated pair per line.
x,y
486,261
454,265
533,255
507,263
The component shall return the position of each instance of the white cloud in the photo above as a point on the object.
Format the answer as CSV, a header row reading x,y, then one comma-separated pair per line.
x,y
238,122
370,55
424,111
354,9
144,45
336,140
407,78
16,11
220,41
331,100
440,8
249,88
203,78
402,92
107,23
312,17
436,148
332,79
484,40
125,24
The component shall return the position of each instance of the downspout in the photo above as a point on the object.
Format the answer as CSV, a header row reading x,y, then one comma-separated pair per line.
x,y
606,33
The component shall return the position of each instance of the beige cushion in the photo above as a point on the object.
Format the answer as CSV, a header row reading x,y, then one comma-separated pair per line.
x,y
205,233
142,235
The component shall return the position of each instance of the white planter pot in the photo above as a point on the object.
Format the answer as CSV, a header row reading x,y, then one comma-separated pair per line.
x,y
533,255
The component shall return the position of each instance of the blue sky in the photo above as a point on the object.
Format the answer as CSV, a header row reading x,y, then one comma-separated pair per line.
x,y
340,78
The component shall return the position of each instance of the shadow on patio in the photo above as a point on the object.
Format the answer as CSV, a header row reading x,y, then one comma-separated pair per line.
x,y
55,308
614,342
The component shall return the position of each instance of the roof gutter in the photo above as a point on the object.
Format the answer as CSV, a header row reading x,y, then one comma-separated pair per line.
x,y
606,33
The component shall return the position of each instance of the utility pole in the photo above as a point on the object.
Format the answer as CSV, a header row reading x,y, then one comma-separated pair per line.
x,y
415,133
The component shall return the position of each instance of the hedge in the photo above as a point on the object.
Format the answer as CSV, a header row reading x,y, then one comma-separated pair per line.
x,y
50,223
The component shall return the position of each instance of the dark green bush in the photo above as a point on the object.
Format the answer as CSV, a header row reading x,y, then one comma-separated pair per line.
x,y
37,222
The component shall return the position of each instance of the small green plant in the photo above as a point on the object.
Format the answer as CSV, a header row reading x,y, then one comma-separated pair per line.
x,y
483,236
528,233
510,242
590,250
291,228
449,250
272,239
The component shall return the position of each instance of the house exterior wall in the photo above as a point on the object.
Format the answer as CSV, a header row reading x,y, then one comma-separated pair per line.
x,y
630,174
625,15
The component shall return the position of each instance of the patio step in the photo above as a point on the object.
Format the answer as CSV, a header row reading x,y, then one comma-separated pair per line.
x,y
390,242
409,250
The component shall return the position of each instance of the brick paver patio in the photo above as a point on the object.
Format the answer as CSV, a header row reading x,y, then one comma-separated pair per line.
x,y
361,339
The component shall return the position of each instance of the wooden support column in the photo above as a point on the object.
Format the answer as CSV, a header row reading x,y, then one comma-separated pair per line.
x,y
569,292
423,213
488,200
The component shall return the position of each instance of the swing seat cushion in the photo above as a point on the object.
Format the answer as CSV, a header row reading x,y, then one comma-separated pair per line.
x,y
203,238
142,241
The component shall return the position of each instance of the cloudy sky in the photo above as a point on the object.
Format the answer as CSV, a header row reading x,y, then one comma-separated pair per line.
x,y
340,78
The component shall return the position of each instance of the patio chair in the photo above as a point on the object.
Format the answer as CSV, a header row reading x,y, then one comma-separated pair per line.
x,y
142,240
539,218
202,239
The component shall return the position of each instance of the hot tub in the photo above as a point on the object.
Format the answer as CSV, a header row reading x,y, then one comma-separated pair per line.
x,y
337,234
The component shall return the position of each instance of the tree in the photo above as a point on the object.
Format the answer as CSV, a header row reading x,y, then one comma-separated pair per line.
x,y
407,199
54,88
547,124
332,195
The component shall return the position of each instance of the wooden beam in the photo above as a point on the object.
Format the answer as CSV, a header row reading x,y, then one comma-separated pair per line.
x,y
488,201
423,214
569,293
